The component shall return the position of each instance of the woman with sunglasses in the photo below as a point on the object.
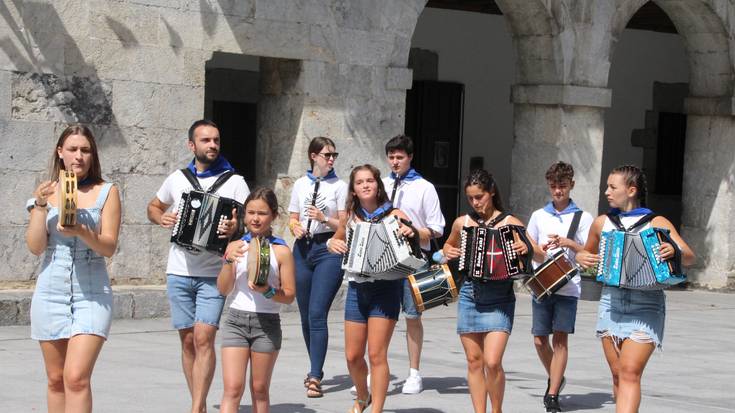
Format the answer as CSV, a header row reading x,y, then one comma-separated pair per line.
x,y
316,208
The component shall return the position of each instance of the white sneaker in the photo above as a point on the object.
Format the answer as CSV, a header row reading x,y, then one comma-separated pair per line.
x,y
353,389
413,385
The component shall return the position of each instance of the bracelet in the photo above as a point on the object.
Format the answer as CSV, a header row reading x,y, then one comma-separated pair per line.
x,y
327,243
36,204
269,293
227,260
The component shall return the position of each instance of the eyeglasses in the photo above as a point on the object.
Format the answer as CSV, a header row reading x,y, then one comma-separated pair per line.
x,y
327,155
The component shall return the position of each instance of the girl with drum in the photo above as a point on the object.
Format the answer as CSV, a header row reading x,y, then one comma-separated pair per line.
x,y
630,322
372,304
252,330
71,310
316,208
486,309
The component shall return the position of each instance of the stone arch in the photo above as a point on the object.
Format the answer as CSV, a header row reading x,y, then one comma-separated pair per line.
x,y
535,34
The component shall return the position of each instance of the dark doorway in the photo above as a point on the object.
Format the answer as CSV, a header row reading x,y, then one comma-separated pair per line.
x,y
237,128
434,121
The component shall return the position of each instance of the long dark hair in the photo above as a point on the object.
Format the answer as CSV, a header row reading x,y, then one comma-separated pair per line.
x,y
57,164
353,204
316,145
634,176
485,181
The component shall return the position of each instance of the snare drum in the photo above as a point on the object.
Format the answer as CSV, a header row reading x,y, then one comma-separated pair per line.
x,y
551,275
432,286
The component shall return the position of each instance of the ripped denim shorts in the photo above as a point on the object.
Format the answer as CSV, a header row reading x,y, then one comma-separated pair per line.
x,y
638,315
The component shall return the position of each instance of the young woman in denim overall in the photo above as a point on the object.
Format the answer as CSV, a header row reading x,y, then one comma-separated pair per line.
x,y
71,308
630,322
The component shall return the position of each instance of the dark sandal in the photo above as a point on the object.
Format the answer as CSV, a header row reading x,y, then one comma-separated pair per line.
x,y
314,388
306,381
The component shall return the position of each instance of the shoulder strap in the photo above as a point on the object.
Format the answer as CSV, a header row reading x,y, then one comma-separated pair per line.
x,y
574,226
497,219
102,197
615,219
643,221
220,181
192,179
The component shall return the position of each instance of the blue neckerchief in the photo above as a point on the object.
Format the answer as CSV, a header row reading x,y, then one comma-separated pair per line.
x,y
85,181
273,240
330,175
368,216
217,167
632,213
570,209
411,175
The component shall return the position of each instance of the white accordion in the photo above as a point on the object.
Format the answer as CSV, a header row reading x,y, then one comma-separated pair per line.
x,y
379,250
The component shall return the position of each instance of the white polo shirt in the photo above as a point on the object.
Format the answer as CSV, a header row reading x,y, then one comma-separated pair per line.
x,y
332,197
180,260
418,199
542,223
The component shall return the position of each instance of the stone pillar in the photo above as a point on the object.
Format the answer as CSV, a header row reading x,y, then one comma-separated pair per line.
x,y
359,107
708,190
556,122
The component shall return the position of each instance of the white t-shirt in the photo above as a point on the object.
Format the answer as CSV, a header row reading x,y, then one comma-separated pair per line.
x,y
418,199
253,301
192,263
332,197
543,223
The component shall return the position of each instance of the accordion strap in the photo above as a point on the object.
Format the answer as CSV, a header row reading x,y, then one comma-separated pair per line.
x,y
615,219
215,186
490,224
574,226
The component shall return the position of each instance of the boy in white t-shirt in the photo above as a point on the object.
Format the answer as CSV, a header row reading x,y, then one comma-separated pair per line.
x,y
191,282
549,227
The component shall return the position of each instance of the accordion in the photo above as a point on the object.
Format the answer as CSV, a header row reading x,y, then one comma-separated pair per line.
x,y
379,250
199,215
631,260
487,253
67,198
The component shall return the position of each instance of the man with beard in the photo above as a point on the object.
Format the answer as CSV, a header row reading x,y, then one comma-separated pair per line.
x,y
196,304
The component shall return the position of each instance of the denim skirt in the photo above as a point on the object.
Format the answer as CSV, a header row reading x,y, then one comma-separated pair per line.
x,y
473,317
638,315
72,296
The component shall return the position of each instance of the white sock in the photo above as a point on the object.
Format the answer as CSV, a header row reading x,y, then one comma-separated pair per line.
x,y
412,372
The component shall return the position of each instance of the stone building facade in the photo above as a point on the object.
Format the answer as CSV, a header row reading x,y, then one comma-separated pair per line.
x,y
135,71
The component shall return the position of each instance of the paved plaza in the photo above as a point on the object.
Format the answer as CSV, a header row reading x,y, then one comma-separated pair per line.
x,y
139,370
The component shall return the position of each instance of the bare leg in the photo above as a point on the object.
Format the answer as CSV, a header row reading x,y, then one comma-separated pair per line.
x,y
559,361
260,379
472,343
204,364
380,331
54,355
633,359
544,351
81,354
414,341
613,361
494,348
234,368
355,342
188,354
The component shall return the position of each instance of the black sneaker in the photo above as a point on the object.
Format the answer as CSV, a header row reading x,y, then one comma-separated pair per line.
x,y
553,403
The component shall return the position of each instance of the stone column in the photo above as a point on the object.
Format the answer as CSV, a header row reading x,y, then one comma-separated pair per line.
x,y
556,122
708,190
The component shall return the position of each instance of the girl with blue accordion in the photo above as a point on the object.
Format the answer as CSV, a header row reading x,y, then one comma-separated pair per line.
x,y
630,320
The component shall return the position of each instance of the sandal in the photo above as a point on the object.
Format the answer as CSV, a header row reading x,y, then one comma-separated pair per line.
x,y
314,388
360,405
306,381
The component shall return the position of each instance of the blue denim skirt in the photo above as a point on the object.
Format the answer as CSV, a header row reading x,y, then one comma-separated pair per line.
x,y
72,296
638,315
474,318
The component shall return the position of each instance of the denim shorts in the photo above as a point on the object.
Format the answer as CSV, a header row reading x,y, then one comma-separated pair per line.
x,y
407,303
194,300
635,314
261,332
472,318
380,298
557,313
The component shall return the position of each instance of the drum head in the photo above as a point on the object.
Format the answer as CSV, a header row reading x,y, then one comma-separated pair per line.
x,y
253,259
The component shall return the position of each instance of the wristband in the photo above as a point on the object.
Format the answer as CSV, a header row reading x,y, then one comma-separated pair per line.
x,y
36,204
270,293
227,260
327,243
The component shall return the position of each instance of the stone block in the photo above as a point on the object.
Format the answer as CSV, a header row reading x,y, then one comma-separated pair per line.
x,y
241,8
131,24
565,95
292,40
232,35
41,97
5,94
8,311
141,150
163,106
710,106
18,189
138,191
365,48
132,258
20,142
160,245
24,309
19,263
179,106
296,11
398,78
35,37
177,28
150,303
122,305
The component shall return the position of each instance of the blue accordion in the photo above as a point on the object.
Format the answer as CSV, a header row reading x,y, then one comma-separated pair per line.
x,y
631,260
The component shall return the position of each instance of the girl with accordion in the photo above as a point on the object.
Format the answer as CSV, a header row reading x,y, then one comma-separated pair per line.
x,y
373,303
259,268
630,321
486,308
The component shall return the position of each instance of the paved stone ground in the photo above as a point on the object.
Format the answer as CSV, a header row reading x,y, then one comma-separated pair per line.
x,y
138,370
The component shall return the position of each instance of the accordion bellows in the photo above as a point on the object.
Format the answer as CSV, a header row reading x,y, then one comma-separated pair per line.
x,y
487,253
631,260
198,218
379,250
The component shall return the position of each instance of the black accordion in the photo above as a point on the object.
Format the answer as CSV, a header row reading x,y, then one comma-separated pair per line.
x,y
199,215
487,253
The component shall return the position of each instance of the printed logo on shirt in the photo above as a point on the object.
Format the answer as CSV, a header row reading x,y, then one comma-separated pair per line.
x,y
321,203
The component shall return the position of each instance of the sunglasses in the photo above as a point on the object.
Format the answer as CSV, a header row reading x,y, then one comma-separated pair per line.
x,y
328,155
